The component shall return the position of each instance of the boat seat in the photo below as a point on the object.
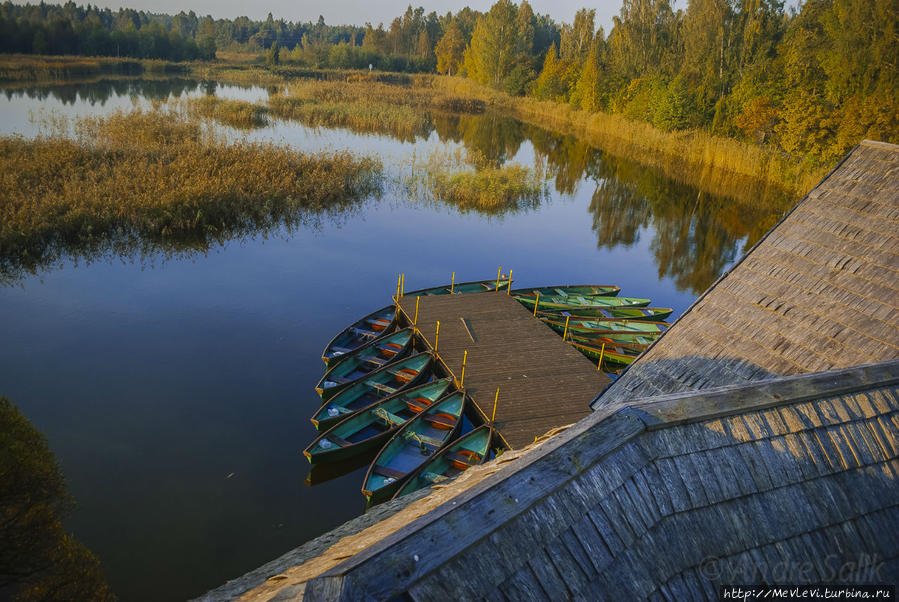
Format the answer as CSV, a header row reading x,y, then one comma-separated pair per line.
x,y
341,349
418,404
384,471
464,458
365,333
378,361
561,292
403,374
389,416
438,420
382,388
423,439
338,440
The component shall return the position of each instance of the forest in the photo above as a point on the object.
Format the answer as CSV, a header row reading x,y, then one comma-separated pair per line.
x,y
809,82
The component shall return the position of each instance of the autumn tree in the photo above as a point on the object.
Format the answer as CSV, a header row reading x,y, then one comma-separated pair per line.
x,y
499,52
450,49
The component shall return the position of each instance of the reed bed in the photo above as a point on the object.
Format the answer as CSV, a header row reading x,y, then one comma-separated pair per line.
x,y
235,113
402,122
158,174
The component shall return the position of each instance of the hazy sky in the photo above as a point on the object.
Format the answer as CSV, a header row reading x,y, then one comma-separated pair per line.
x,y
351,12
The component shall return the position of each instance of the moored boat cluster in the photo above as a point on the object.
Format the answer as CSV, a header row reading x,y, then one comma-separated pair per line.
x,y
384,393
611,330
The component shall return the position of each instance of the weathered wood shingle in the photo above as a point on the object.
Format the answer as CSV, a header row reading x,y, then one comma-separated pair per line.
x,y
819,292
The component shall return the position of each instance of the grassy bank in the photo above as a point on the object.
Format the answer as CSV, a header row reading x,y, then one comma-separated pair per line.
x,y
156,175
35,68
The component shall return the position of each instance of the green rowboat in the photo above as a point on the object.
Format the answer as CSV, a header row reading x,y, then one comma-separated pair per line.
x,y
347,368
604,313
577,302
385,381
605,290
454,459
411,447
370,428
372,326
614,355
462,288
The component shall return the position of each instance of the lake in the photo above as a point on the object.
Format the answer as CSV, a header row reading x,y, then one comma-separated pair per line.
x,y
174,383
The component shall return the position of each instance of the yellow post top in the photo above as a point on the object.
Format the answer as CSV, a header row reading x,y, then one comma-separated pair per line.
x,y
509,287
536,303
453,283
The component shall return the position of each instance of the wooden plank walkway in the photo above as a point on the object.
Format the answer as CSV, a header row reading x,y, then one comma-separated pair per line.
x,y
544,383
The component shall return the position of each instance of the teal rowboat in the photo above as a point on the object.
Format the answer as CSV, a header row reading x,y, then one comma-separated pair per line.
x,y
454,459
350,367
577,302
604,313
385,381
462,288
606,290
372,326
369,428
411,447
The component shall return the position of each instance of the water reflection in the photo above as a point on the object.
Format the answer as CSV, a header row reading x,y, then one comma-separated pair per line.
x,y
98,92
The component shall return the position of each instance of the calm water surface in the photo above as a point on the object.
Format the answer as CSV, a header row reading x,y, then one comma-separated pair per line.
x,y
175,388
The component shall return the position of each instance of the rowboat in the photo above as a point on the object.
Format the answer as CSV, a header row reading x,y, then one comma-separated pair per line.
x,y
461,288
612,325
411,447
347,368
625,331
606,290
371,427
615,355
586,313
358,333
577,302
385,381
454,459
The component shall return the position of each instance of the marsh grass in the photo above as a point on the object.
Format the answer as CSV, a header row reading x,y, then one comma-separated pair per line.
x,y
235,113
158,175
401,122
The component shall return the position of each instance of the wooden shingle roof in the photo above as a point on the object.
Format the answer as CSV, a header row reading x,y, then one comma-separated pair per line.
x,y
666,499
818,292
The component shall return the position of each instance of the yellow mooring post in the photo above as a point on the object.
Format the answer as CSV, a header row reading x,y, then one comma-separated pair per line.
x,y
499,272
397,296
536,303
437,336
565,334
453,283
495,400
602,352
415,319
402,285
462,379
509,287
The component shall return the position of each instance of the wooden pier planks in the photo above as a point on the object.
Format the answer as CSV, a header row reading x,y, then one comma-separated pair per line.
x,y
544,383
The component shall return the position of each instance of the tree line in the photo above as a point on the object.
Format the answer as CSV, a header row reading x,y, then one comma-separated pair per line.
x,y
810,81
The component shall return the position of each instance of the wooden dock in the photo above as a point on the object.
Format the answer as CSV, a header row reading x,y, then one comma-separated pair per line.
x,y
544,383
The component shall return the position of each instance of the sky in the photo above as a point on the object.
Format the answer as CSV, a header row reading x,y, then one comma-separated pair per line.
x,y
351,12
